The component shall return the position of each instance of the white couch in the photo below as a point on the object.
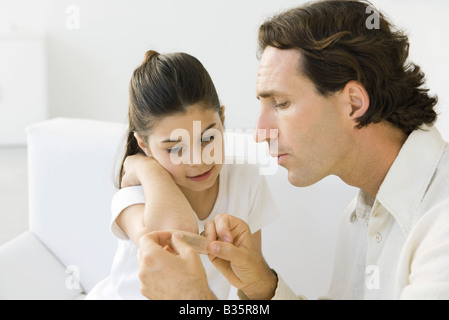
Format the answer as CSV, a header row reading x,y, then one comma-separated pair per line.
x,y
68,248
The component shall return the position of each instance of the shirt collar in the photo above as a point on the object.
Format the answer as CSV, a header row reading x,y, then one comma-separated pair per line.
x,y
405,185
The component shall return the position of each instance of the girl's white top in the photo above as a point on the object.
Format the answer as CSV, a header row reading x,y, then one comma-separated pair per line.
x,y
243,192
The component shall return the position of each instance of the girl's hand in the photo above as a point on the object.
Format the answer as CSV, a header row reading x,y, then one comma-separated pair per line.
x,y
134,166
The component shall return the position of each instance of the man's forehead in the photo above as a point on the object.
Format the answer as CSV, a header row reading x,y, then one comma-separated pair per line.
x,y
279,58
276,66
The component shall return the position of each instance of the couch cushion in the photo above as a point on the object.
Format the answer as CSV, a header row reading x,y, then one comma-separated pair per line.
x,y
28,270
72,166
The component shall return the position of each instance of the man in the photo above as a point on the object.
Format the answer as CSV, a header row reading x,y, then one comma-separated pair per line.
x,y
345,102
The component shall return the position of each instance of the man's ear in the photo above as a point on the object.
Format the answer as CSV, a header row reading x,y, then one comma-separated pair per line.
x,y
142,144
357,98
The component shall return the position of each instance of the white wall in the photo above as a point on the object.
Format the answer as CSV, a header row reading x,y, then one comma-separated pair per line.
x,y
427,25
89,67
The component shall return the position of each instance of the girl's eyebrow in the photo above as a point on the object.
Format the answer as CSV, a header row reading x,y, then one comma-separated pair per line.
x,y
169,140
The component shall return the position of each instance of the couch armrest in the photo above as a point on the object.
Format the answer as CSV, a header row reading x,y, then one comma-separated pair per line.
x,y
28,270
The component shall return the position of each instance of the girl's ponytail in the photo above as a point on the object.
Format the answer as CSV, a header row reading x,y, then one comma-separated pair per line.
x,y
149,55
132,148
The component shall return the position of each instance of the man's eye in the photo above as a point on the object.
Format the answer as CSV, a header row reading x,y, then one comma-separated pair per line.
x,y
282,105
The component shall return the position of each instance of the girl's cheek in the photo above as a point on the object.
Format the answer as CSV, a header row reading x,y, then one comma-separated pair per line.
x,y
165,162
174,169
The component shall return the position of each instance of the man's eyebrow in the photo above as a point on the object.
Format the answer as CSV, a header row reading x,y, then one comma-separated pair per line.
x,y
268,94
169,140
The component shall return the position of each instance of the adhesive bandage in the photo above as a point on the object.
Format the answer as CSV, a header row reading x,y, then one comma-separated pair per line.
x,y
199,243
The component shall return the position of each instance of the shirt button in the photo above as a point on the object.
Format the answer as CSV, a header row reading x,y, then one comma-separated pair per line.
x,y
378,237
353,217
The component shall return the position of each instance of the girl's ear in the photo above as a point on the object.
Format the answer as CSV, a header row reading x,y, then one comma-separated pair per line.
x,y
223,114
142,144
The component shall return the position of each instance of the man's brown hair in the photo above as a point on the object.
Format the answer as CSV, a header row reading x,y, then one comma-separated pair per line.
x,y
337,46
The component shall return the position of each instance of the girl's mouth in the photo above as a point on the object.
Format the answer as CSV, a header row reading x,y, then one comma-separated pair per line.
x,y
202,176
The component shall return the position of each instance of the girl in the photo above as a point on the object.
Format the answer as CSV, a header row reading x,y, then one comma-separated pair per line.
x,y
173,97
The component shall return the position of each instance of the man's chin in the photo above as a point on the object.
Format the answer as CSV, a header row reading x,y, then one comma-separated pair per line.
x,y
299,181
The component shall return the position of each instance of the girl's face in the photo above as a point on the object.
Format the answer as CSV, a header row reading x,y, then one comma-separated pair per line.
x,y
190,146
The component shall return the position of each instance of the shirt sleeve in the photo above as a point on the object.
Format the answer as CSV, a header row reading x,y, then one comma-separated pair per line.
x,y
123,199
263,210
283,292
425,263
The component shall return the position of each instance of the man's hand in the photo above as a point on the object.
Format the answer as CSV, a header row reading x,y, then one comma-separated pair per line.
x,y
238,259
170,269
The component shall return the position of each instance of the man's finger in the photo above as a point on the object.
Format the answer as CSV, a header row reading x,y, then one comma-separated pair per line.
x,y
232,229
151,247
221,255
223,226
226,270
223,250
161,238
209,231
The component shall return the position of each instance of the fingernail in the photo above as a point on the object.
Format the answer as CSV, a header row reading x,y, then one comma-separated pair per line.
x,y
227,239
177,235
215,248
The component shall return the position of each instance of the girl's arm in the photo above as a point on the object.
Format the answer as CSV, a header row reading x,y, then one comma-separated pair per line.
x,y
165,208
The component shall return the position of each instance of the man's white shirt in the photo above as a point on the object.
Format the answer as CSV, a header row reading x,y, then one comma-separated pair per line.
x,y
397,245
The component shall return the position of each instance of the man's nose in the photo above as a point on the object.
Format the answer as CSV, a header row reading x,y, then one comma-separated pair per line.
x,y
266,127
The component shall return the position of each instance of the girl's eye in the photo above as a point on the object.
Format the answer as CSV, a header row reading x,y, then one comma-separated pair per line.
x,y
174,150
208,139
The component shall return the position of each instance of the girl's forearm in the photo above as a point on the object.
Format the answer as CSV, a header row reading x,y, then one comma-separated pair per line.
x,y
166,207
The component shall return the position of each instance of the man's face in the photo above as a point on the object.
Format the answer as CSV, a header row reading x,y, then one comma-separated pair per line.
x,y
312,140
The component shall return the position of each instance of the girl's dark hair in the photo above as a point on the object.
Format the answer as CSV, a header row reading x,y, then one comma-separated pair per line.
x,y
163,85
337,46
